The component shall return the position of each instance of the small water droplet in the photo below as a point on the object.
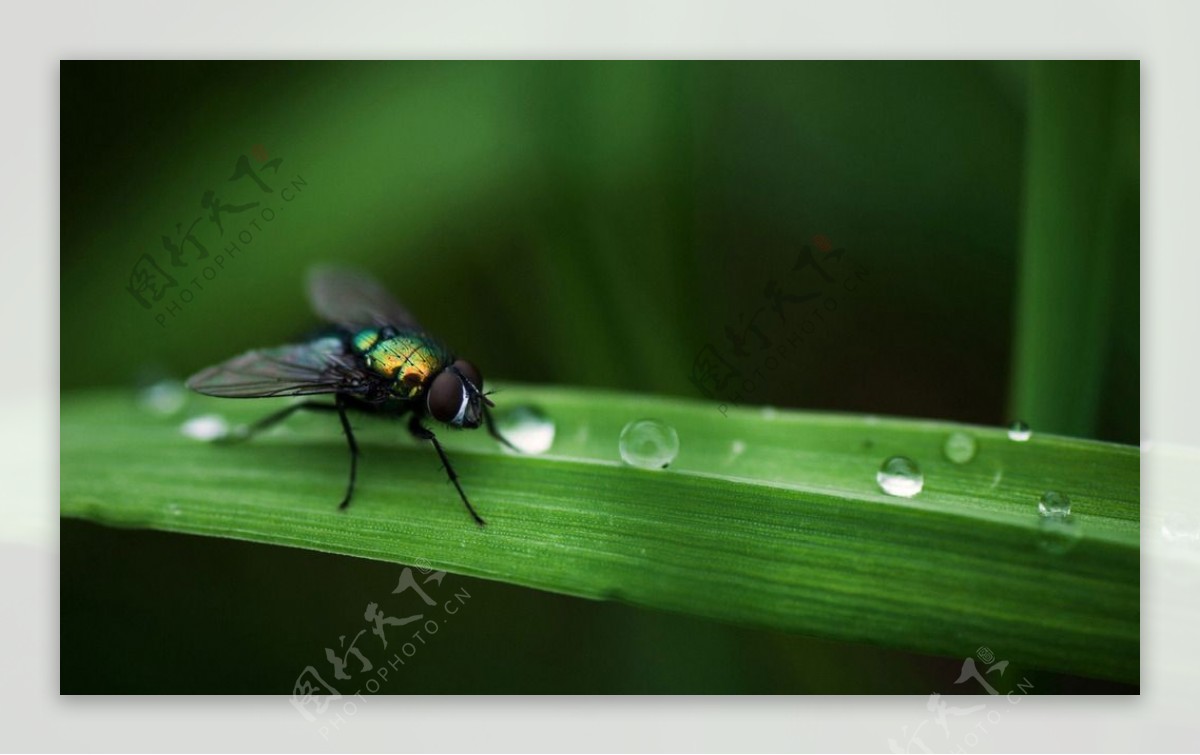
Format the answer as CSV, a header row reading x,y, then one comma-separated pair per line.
x,y
526,427
769,412
649,443
959,447
1059,534
205,427
1054,504
173,509
1059,530
900,476
1019,431
166,397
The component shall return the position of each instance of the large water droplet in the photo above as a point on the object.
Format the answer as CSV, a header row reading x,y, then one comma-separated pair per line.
x,y
205,427
900,476
527,427
1059,532
1054,504
649,443
166,397
1019,431
959,447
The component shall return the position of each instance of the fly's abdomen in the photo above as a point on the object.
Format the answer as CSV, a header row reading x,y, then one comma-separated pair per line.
x,y
410,361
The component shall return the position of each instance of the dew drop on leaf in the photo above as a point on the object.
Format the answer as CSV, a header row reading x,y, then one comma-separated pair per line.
x,y
900,476
649,444
205,427
959,447
1019,431
1059,532
1054,504
527,427
166,397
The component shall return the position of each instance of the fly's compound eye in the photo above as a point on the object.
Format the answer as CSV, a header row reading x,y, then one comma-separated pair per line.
x,y
470,372
447,398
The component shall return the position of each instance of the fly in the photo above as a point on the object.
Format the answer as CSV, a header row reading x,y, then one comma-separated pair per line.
x,y
375,359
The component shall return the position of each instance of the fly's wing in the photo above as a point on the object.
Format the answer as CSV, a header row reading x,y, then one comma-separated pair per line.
x,y
355,301
322,366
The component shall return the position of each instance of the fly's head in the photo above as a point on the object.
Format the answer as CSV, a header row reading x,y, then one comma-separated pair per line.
x,y
456,396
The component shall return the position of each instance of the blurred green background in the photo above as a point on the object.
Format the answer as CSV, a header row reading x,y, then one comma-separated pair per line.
x,y
594,224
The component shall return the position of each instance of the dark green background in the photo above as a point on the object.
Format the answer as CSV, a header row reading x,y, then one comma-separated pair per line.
x,y
591,224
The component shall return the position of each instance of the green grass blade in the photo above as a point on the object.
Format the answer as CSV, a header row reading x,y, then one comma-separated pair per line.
x,y
1080,244
765,518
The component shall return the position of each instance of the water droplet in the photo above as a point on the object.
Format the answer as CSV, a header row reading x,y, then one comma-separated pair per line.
x,y
649,444
769,413
1059,530
959,447
166,397
173,509
1059,534
205,427
900,476
1019,431
1054,504
526,427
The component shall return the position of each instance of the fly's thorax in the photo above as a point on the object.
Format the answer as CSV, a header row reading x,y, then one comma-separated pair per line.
x,y
409,360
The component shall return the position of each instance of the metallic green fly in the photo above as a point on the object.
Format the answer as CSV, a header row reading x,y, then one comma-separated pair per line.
x,y
375,358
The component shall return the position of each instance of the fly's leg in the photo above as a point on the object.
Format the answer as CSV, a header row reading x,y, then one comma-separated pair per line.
x,y
266,423
420,432
314,406
341,410
492,431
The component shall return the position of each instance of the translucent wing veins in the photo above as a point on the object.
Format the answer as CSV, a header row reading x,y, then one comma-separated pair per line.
x,y
355,301
323,366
